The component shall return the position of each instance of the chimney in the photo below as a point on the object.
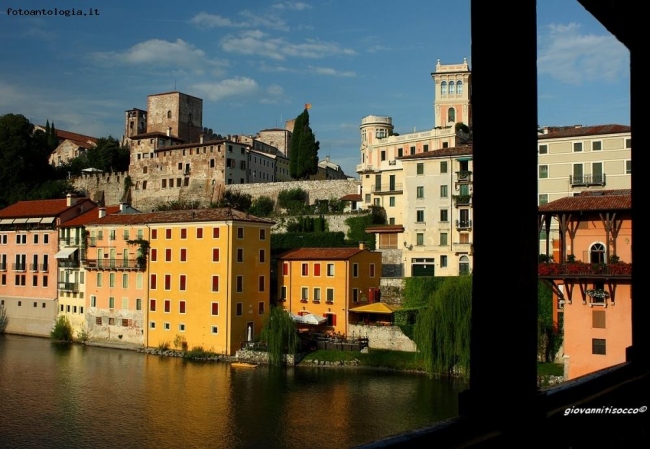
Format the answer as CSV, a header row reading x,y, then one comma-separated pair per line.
x,y
362,245
70,200
169,131
122,207
201,138
102,212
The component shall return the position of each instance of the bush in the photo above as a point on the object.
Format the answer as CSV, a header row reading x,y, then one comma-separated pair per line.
x,y
62,330
262,206
293,200
83,334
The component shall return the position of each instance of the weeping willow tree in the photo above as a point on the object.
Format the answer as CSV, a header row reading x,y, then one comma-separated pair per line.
x,y
280,334
442,329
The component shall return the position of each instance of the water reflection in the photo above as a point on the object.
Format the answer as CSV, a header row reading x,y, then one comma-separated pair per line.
x,y
81,396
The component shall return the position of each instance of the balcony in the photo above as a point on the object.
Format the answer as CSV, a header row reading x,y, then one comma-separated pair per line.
x,y
65,263
386,188
19,266
114,264
70,241
69,286
464,176
463,224
462,200
33,267
587,180
44,267
3,267
619,270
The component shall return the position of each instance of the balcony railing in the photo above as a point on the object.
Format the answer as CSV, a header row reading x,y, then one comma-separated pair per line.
x,y
462,200
587,180
64,263
69,286
3,267
44,267
33,267
18,266
70,241
385,188
578,269
464,224
114,264
464,176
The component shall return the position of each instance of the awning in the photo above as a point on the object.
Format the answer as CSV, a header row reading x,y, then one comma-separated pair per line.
x,y
64,253
6,221
34,220
20,220
48,220
375,307
463,159
308,319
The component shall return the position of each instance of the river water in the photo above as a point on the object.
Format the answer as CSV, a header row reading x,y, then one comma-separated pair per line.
x,y
77,396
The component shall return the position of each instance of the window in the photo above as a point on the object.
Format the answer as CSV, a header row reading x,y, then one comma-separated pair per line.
x,y
330,269
240,255
168,234
125,280
330,295
577,147
168,306
543,149
215,254
355,295
304,294
383,155
111,302
628,143
391,201
111,280
463,265
425,147
138,304
420,168
412,150
167,326
125,303
93,301
168,282
240,284
181,306
419,216
262,234
260,308
182,282
598,319
628,167
261,283
240,309
444,191
183,233
419,239
543,171
35,239
183,255
316,269
152,282
283,293
181,327
420,192
443,239
400,152
372,270
215,283
214,308
215,330
444,215
285,268
152,324
305,269
596,145
543,198
355,270
46,239
599,346
443,166
240,233
199,233
154,254
152,305
443,261
154,234
316,294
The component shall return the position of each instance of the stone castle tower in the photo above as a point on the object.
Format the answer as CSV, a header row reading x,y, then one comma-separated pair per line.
x,y
175,114
453,93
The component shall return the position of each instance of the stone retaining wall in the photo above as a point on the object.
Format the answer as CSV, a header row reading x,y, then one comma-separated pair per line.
x,y
383,337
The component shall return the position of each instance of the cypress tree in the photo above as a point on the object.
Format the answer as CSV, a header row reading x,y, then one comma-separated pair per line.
x,y
303,151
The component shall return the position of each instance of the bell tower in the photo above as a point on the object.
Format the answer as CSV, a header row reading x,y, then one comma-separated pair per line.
x,y
452,94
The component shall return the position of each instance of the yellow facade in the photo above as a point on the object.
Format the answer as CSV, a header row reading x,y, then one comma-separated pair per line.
x,y
328,282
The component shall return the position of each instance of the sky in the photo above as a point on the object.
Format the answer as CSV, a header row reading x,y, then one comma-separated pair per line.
x,y
257,63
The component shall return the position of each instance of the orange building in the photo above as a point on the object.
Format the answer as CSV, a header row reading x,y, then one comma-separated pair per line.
x,y
205,282
591,280
328,282
29,247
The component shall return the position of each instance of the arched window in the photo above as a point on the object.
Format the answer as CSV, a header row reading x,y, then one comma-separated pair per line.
x,y
451,115
169,114
459,87
597,253
443,88
463,265
451,88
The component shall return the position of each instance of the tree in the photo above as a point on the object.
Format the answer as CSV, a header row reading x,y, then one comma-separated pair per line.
x,y
237,200
442,329
303,151
293,200
107,155
24,159
279,333
262,206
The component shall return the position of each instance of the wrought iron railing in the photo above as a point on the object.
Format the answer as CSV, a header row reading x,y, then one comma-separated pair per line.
x,y
550,269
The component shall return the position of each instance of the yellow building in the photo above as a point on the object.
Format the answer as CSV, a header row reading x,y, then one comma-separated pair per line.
x,y
328,282
207,277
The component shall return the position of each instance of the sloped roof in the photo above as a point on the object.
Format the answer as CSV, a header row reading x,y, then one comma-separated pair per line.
x,y
320,253
604,200
351,197
87,217
179,216
39,208
464,150
586,131
375,307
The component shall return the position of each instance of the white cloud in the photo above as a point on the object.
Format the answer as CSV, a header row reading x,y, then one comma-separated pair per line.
x,y
214,20
297,6
257,43
160,53
574,58
227,88
331,72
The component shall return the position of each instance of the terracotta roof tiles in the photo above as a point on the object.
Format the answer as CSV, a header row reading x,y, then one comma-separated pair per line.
x,y
39,208
607,200
179,216
587,131
465,150
87,217
320,253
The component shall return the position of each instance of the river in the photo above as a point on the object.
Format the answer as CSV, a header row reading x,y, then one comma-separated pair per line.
x,y
77,396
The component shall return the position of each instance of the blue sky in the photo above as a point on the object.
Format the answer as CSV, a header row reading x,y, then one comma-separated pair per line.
x,y
256,63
